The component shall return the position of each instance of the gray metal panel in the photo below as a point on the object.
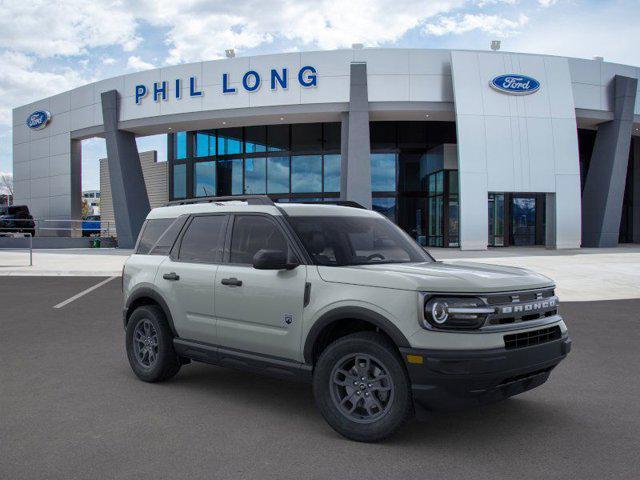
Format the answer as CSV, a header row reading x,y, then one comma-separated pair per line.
x,y
604,187
636,189
355,180
130,200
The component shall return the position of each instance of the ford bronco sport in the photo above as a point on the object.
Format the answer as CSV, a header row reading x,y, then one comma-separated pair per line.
x,y
338,296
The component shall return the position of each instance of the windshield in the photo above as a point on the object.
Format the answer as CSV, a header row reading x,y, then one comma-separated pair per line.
x,y
340,241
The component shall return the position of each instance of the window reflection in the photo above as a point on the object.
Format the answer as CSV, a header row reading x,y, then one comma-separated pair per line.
x,y
180,180
383,172
204,179
278,175
205,144
332,173
255,176
306,173
229,141
181,145
230,177
255,139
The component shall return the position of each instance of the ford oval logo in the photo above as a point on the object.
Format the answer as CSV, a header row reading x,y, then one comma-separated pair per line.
x,y
38,119
515,84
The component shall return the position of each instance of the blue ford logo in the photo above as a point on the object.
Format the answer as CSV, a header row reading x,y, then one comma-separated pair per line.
x,y
38,119
515,84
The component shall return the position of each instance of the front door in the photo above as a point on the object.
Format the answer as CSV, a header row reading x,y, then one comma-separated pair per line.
x,y
259,311
187,278
523,220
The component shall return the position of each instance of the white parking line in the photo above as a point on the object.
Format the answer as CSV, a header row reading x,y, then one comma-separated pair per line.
x,y
83,293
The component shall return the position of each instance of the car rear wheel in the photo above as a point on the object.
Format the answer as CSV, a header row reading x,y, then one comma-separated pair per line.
x,y
362,388
150,345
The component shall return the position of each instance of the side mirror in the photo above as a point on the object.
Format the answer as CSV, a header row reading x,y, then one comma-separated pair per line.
x,y
272,260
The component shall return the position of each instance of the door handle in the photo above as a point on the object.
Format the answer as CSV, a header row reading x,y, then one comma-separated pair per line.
x,y
171,276
232,282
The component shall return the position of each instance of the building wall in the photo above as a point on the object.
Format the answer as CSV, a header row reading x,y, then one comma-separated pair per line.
x,y
509,143
155,178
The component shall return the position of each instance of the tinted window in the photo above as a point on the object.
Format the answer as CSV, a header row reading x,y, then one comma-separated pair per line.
x,y
151,233
306,173
278,175
339,241
168,238
255,175
180,181
203,240
204,179
252,233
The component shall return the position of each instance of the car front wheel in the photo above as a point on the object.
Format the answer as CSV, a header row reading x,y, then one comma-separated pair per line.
x,y
362,388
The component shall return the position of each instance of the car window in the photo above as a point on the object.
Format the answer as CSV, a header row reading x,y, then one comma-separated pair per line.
x,y
151,232
168,238
347,240
252,233
203,240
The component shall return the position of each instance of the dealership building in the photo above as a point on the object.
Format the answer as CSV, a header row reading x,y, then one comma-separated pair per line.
x,y
464,149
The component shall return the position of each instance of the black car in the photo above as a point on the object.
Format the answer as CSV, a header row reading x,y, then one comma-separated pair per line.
x,y
17,219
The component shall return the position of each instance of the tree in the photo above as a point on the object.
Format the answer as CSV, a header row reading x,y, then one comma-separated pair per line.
x,y
86,208
6,188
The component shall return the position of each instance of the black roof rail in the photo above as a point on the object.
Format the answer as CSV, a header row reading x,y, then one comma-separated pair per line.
x,y
341,203
250,199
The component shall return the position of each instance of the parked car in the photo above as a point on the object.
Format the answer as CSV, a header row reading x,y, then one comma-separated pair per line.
x,y
17,219
91,225
340,297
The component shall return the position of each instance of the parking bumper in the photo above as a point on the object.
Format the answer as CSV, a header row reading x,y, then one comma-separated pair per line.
x,y
449,380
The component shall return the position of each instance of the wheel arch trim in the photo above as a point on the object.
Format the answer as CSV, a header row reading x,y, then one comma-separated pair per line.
x,y
147,292
355,313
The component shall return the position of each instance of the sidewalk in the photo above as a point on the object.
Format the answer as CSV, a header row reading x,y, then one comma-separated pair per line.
x,y
580,275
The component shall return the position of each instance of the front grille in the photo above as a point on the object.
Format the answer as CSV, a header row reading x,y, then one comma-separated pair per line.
x,y
534,337
522,306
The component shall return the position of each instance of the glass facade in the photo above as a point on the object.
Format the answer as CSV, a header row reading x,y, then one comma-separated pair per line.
x,y
410,183
300,161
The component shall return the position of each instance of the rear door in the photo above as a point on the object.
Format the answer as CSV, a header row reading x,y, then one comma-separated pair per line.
x,y
259,311
186,278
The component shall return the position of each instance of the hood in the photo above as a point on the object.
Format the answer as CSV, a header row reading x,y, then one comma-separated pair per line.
x,y
458,277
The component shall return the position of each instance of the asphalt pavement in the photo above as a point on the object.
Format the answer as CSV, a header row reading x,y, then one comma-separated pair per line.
x,y
70,408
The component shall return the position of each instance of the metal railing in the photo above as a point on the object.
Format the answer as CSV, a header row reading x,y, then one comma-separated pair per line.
x,y
47,227
21,235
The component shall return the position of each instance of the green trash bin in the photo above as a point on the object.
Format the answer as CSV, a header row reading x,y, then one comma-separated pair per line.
x,y
95,243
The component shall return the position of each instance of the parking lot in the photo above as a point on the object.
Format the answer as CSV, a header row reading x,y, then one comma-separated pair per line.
x,y
71,408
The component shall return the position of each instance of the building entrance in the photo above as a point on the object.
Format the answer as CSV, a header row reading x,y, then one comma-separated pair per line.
x,y
516,219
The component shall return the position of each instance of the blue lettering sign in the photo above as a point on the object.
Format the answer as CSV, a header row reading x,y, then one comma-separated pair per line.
x,y
225,84
159,90
310,80
275,77
515,84
251,86
192,88
141,92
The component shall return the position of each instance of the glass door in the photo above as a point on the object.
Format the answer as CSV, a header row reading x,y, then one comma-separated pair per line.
x,y
496,220
523,220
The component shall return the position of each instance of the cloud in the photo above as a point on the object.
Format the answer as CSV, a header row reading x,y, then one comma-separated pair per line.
x,y
17,85
47,29
491,24
135,63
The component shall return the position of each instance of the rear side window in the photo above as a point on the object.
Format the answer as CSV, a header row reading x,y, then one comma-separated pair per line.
x,y
252,233
168,238
203,241
152,231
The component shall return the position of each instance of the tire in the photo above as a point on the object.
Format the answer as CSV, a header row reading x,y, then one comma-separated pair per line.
x,y
388,403
160,361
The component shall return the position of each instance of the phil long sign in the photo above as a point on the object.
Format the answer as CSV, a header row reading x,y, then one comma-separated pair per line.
x,y
515,84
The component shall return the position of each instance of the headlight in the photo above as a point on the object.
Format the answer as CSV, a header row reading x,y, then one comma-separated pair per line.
x,y
455,313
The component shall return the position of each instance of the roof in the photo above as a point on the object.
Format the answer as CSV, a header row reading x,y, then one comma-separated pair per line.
x,y
293,209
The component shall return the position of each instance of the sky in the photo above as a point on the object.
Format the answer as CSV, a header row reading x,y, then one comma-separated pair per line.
x,y
49,47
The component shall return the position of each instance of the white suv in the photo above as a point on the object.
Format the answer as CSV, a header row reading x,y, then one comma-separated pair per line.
x,y
341,297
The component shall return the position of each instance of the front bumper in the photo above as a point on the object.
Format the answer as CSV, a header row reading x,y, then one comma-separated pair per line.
x,y
453,379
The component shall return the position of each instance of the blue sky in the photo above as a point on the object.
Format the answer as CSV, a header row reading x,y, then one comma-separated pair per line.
x,y
50,47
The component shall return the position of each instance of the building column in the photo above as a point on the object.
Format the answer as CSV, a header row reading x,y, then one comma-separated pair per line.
x,y
604,187
355,177
128,190
636,189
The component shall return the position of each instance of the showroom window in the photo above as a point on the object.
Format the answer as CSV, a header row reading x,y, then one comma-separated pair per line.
x,y
287,162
